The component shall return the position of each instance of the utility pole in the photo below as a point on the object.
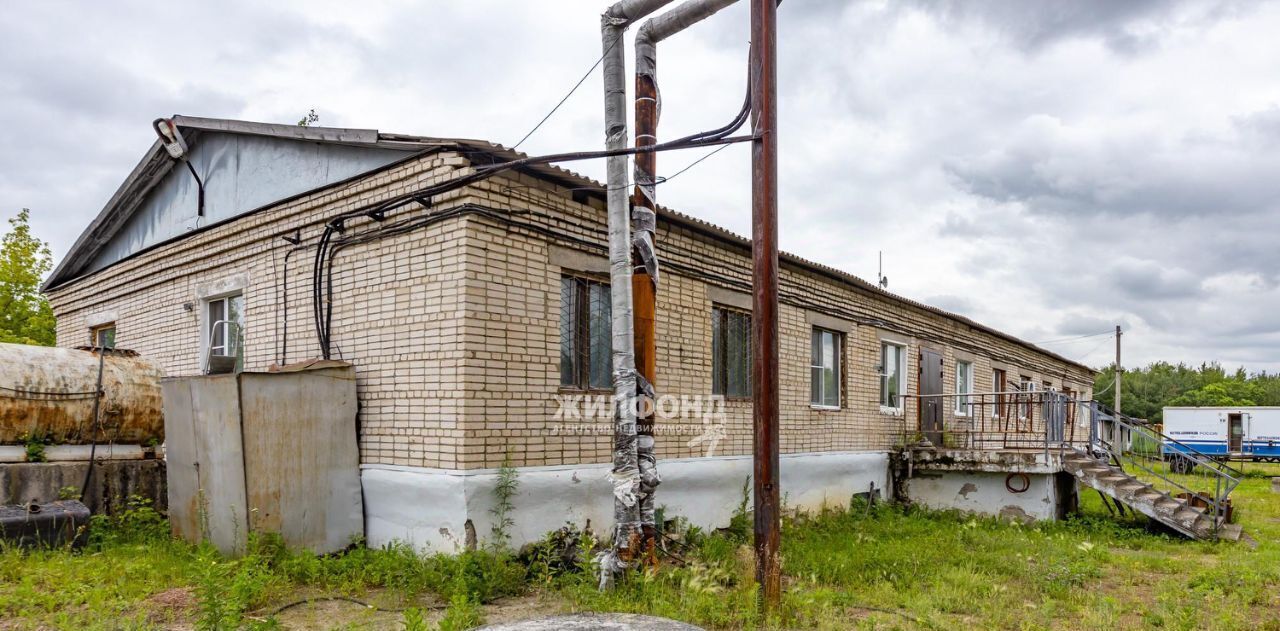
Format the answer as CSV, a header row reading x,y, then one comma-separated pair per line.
x,y
1119,370
764,315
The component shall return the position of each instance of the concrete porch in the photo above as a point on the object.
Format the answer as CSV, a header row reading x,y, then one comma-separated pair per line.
x,y
1024,485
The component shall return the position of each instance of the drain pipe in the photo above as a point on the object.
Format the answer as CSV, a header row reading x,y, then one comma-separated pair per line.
x,y
625,474
644,226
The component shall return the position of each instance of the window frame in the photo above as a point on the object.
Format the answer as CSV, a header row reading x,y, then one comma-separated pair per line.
x,y
581,325
1027,386
721,315
206,329
883,376
96,331
963,399
999,382
837,357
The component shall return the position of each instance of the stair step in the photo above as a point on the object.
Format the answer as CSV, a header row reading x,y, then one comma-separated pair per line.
x,y
1186,517
1230,532
1203,523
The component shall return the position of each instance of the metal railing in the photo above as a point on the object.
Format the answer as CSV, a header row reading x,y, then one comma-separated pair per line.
x,y
229,359
1171,466
1033,420
1048,421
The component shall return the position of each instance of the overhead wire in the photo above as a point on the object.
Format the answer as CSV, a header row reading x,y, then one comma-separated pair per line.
x,y
566,96
1073,339
1094,349
326,251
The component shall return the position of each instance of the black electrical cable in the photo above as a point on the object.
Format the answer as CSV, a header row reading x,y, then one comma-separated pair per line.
x,y
97,407
40,395
322,271
566,97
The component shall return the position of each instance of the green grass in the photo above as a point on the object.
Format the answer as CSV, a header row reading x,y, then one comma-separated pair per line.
x,y
886,568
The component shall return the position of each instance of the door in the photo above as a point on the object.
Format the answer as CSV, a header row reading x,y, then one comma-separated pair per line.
x,y
930,383
1235,433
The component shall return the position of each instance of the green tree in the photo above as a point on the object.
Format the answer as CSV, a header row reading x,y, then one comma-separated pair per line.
x,y
25,315
1222,393
1149,389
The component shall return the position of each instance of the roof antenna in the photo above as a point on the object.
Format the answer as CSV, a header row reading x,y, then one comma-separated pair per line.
x,y
883,280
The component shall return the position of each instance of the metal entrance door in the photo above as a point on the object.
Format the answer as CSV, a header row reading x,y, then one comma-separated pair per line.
x,y
1235,433
930,383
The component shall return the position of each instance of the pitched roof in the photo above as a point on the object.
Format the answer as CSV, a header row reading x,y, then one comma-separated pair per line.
x,y
156,163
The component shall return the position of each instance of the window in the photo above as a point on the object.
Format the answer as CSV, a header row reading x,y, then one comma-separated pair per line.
x,y
103,336
1028,386
824,386
730,352
893,368
585,334
224,334
964,387
998,383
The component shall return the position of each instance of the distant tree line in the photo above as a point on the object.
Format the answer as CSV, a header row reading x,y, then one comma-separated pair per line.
x,y
1148,390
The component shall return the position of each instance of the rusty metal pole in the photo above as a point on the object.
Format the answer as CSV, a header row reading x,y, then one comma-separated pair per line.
x,y
764,316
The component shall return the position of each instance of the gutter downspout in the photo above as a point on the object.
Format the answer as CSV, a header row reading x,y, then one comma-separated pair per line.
x,y
625,474
644,218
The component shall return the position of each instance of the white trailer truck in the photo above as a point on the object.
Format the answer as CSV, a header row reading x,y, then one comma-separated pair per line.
x,y
1239,433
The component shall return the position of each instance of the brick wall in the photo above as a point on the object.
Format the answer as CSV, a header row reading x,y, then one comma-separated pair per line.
x,y
454,329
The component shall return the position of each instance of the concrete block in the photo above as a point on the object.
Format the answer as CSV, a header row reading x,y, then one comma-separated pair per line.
x,y
112,485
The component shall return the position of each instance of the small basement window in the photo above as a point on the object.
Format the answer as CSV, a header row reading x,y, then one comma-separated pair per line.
x,y
103,336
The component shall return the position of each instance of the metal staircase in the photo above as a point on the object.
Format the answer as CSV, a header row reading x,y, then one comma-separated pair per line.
x,y
1132,464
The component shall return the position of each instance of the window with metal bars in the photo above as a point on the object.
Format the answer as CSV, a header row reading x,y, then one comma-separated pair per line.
x,y
730,352
585,344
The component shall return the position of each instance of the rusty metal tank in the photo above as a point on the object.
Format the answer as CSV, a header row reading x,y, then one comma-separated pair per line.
x,y
49,392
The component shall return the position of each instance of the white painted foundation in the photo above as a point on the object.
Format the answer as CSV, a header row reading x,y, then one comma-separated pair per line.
x,y
429,508
985,493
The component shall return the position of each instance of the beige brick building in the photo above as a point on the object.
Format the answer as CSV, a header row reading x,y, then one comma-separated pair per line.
x,y
470,331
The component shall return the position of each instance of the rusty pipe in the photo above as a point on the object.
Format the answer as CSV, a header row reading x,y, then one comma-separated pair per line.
x,y
644,231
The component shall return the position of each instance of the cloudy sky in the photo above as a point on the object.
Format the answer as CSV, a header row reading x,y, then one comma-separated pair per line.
x,y
1049,168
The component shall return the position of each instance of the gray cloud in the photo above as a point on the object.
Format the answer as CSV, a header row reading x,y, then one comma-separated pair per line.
x,y
1128,27
1146,280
